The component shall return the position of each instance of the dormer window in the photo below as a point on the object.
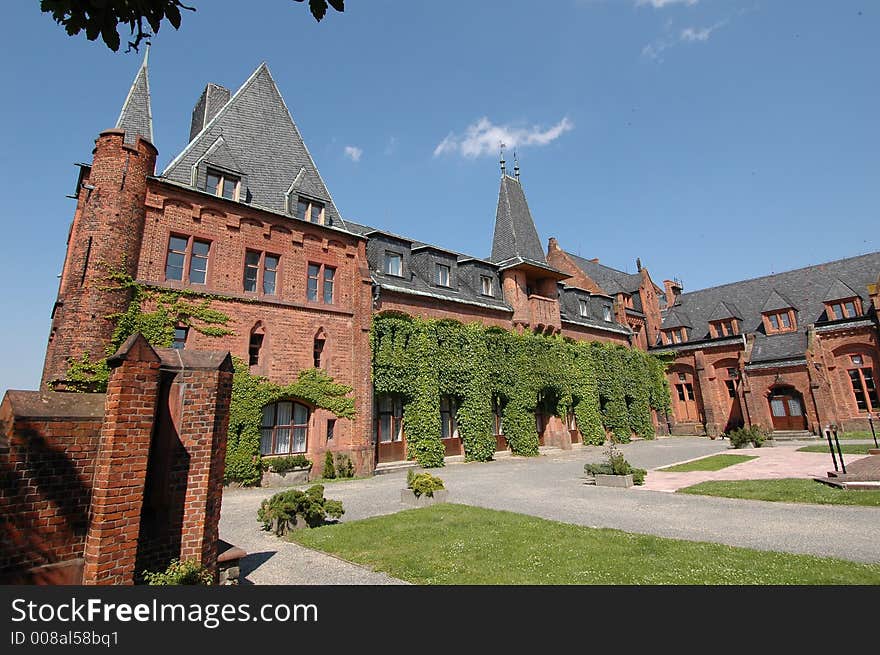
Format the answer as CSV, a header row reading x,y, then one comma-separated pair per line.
x,y
840,309
606,313
223,184
781,321
393,263
584,308
725,328
676,335
441,275
486,285
310,210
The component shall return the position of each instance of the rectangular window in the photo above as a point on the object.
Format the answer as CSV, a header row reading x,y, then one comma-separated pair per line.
x,y
223,184
270,273
331,428
312,286
251,270
850,309
179,338
864,389
606,312
389,419
448,423
183,249
321,278
441,275
774,321
786,320
837,309
254,347
393,263
329,274
486,285
584,308
731,388
260,272
310,210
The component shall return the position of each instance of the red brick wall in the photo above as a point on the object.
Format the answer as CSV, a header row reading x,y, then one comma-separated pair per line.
x,y
46,469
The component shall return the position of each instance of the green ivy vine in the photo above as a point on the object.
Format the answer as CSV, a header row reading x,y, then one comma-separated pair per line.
x,y
250,393
609,388
154,312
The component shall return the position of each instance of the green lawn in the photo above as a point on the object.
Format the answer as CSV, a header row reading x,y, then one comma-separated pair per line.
x,y
711,463
856,434
458,544
847,448
787,490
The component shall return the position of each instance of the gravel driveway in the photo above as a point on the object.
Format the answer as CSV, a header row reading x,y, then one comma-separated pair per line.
x,y
552,487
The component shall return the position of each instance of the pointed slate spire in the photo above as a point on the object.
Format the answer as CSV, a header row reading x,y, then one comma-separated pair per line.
x,y
515,233
136,117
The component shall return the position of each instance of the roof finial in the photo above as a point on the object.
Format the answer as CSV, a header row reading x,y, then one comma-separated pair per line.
x,y
502,146
515,165
146,55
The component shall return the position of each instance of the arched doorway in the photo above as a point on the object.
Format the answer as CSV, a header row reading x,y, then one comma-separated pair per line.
x,y
787,409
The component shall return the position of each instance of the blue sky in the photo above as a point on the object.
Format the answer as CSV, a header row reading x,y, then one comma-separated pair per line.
x,y
717,140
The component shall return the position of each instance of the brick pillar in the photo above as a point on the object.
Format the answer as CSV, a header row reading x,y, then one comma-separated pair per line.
x,y
203,429
705,378
121,464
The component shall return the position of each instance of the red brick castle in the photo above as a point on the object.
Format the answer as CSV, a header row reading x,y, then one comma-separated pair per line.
x,y
243,214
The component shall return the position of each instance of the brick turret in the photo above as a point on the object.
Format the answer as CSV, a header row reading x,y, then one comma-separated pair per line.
x,y
107,231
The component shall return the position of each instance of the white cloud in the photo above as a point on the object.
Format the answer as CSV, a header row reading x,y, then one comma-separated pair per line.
x,y
484,137
659,4
353,153
687,35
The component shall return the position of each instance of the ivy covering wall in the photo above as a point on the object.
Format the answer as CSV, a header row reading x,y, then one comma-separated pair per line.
x,y
610,388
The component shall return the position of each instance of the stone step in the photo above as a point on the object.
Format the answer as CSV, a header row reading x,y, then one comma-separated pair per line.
x,y
394,467
794,435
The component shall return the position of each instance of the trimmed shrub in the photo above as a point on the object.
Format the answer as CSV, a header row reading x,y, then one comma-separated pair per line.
x,y
329,471
741,437
344,466
292,508
423,483
615,464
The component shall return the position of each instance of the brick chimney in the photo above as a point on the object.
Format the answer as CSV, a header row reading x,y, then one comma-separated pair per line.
x,y
673,291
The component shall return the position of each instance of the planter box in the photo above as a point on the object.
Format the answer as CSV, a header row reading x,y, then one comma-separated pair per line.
x,y
286,479
603,480
409,498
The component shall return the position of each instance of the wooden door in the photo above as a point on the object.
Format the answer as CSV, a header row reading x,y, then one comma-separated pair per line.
x,y
787,411
390,438
686,405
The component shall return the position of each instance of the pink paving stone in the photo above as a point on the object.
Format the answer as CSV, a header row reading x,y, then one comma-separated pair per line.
x,y
776,462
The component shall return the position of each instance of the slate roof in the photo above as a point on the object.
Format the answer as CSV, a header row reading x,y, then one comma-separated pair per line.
x,y
254,135
136,117
676,318
805,289
724,309
838,291
515,233
610,279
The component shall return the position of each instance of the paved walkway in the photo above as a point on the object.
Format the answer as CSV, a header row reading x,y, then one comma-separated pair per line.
x,y
553,487
771,463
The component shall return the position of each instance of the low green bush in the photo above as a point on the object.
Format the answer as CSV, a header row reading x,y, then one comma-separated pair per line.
x,y
188,572
344,466
288,509
423,483
288,463
615,464
742,437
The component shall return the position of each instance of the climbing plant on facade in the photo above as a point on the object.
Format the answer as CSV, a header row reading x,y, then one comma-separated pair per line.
x,y
609,388
154,312
250,393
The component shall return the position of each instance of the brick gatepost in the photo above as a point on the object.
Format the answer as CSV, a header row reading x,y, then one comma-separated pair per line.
x,y
121,464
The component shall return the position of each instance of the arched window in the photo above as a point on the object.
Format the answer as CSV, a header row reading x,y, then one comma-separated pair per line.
x,y
255,345
284,428
320,342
